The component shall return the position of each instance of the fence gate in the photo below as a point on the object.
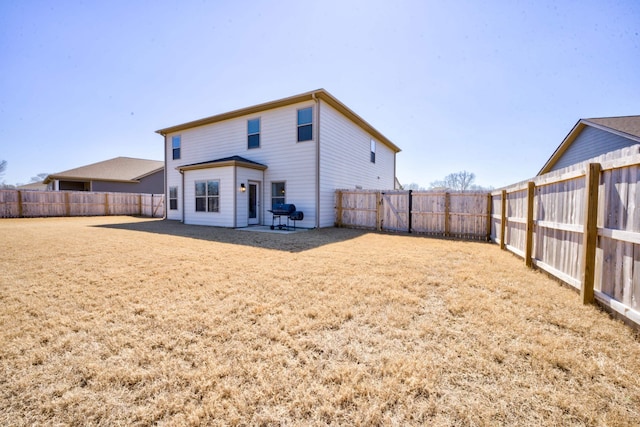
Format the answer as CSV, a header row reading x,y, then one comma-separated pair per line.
x,y
395,211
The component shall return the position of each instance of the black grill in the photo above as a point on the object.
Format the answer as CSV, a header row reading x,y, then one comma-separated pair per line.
x,y
287,210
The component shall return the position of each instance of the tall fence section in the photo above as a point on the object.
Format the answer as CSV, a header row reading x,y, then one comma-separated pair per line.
x,y
29,204
580,224
460,215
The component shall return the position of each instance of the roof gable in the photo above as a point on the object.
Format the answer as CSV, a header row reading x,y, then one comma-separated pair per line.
x,y
124,169
313,95
627,127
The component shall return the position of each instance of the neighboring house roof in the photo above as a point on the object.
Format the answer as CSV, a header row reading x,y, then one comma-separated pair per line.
x,y
624,126
316,94
225,161
40,185
629,125
119,169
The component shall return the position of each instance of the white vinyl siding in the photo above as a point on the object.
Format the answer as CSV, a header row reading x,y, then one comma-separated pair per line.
x,y
345,161
222,218
174,179
590,143
285,158
243,176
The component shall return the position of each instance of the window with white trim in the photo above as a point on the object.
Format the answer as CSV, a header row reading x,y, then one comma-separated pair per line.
x,y
207,196
175,145
277,193
305,124
373,151
253,133
173,198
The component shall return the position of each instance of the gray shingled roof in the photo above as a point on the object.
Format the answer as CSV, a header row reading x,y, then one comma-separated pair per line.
x,y
627,124
118,169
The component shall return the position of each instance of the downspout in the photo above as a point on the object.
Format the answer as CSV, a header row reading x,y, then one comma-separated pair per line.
x,y
166,190
235,197
182,192
317,101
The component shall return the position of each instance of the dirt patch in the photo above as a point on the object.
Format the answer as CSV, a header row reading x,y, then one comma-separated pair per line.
x,y
121,320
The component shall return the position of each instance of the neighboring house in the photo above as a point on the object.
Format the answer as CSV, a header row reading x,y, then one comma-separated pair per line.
x,y
228,170
591,138
37,186
119,175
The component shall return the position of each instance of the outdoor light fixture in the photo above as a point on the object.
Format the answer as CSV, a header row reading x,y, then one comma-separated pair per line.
x,y
243,188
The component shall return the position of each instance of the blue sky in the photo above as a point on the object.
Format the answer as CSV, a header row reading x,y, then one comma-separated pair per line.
x,y
491,87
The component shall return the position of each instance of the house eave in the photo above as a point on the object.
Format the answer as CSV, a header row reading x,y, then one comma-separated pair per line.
x,y
87,179
160,169
215,164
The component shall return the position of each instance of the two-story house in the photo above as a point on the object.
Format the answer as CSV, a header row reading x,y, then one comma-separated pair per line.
x,y
228,170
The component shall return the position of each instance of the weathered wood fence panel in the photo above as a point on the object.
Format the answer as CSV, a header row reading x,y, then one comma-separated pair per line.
x,y
395,211
29,204
469,215
515,221
358,209
428,213
618,251
9,204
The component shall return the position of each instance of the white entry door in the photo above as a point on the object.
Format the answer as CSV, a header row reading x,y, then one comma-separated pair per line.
x,y
254,203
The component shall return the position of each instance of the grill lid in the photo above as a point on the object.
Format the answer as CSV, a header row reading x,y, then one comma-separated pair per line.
x,y
283,208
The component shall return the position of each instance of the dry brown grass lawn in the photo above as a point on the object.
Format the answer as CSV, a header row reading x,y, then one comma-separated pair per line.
x,y
125,321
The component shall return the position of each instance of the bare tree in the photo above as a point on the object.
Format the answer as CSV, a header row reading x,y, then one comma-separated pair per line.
x,y
3,168
458,181
413,186
462,180
40,177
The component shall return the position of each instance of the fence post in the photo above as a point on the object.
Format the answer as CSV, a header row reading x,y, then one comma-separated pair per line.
x,y
378,211
503,220
489,207
339,208
447,208
67,204
410,207
20,208
528,254
106,204
589,238
140,204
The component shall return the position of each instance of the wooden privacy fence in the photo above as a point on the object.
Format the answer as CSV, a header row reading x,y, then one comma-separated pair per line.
x,y
29,203
581,225
460,215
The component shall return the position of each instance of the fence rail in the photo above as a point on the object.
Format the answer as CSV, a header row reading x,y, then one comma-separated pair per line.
x,y
30,203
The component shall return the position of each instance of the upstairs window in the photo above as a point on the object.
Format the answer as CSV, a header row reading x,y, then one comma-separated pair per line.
x,y
277,194
373,151
175,144
253,133
305,127
207,196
